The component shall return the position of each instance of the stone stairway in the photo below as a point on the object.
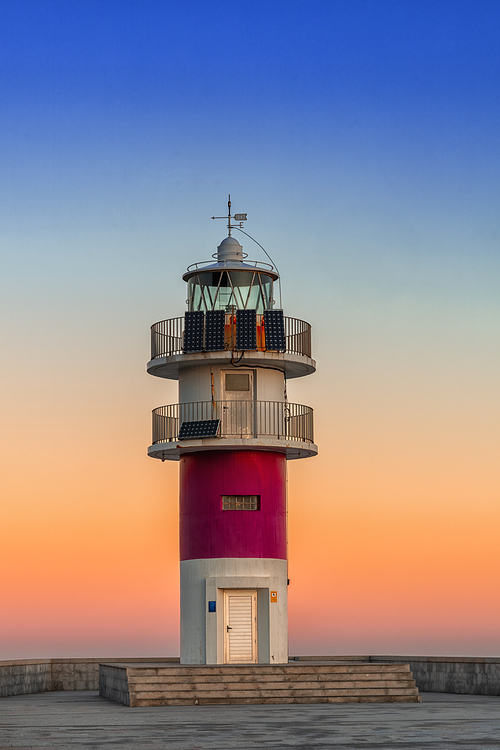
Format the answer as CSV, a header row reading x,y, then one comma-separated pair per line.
x,y
296,682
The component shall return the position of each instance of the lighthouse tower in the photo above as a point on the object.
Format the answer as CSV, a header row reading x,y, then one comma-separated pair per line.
x,y
232,431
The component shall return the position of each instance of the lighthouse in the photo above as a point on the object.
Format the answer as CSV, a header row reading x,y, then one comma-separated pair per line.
x,y
232,431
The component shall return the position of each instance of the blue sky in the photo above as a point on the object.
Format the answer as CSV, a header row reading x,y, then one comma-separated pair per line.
x,y
360,123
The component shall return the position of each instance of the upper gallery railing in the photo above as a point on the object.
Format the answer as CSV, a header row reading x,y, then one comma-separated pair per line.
x,y
238,419
167,336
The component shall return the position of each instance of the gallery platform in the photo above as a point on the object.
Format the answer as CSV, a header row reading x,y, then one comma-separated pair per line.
x,y
153,684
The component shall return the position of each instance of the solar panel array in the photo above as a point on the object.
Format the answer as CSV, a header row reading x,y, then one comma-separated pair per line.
x,y
246,329
214,330
274,327
201,428
193,331
207,332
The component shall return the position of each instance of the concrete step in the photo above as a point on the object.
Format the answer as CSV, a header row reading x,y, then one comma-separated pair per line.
x,y
296,685
258,670
266,693
277,700
208,680
284,683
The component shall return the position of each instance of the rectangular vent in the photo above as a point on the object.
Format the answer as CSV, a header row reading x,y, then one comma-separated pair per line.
x,y
274,326
193,331
214,331
246,329
240,502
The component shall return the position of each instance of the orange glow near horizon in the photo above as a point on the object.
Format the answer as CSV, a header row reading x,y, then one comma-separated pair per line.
x,y
393,547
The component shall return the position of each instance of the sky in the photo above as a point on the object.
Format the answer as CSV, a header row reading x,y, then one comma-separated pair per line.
x,y
362,140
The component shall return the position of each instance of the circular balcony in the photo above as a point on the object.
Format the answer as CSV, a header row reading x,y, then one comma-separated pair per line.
x,y
232,425
168,356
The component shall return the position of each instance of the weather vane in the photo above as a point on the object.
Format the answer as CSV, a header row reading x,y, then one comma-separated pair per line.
x,y
238,218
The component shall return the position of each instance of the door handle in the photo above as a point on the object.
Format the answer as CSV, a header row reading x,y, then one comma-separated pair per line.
x,y
228,628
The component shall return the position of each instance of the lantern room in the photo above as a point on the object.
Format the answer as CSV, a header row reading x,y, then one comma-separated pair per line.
x,y
230,283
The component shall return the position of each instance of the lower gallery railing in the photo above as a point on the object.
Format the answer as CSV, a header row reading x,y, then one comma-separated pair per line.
x,y
238,419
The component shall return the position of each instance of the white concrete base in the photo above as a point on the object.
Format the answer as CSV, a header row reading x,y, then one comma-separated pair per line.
x,y
204,581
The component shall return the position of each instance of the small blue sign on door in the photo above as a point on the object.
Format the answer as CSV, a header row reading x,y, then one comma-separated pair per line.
x,y
211,606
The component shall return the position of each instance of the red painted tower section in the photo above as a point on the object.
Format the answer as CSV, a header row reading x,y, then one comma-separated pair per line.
x,y
207,531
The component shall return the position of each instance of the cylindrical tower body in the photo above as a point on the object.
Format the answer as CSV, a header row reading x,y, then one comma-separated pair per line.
x,y
234,549
232,432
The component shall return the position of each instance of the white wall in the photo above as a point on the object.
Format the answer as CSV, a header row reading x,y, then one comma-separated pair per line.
x,y
202,633
195,383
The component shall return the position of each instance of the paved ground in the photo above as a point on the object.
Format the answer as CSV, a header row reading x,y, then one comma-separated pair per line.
x,y
82,720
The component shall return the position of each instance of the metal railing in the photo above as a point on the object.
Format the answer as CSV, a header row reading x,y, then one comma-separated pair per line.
x,y
201,265
167,336
298,336
238,419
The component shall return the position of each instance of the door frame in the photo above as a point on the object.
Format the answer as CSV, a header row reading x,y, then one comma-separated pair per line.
x,y
255,646
250,430
243,371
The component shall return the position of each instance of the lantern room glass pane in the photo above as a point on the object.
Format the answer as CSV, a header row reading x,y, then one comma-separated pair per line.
x,y
230,290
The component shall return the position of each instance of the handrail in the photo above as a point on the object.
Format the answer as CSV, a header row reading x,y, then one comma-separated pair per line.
x,y
167,337
238,419
201,265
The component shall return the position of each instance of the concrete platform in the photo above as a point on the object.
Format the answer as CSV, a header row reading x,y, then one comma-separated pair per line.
x,y
140,685
83,721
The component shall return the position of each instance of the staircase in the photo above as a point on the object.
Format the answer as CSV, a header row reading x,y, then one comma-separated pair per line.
x,y
296,682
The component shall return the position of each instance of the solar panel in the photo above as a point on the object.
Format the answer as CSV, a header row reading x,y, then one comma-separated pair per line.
x,y
193,331
214,331
274,327
246,329
200,428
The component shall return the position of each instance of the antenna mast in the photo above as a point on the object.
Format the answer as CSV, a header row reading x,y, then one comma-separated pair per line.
x,y
239,218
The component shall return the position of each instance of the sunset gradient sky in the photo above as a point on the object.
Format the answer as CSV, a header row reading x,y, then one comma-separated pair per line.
x,y
362,138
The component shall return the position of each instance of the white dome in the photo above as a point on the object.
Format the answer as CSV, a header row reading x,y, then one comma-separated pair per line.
x,y
229,249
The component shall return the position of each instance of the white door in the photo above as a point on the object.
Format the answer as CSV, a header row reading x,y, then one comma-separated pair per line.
x,y
240,627
237,403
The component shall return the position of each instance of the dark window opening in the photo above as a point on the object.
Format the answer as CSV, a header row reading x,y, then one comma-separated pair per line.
x,y
237,382
240,502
